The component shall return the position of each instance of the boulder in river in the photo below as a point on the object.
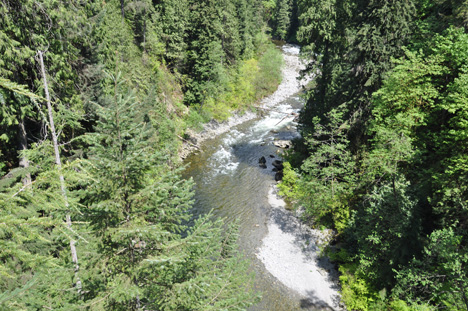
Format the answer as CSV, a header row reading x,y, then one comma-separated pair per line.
x,y
283,144
262,160
272,156
278,164
279,176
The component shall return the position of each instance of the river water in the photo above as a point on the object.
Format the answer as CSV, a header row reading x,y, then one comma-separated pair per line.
x,y
230,183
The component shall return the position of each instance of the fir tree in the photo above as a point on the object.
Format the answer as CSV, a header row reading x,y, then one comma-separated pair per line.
x,y
282,19
137,206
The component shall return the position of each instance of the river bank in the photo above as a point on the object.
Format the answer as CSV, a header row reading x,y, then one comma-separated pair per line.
x,y
291,253
288,86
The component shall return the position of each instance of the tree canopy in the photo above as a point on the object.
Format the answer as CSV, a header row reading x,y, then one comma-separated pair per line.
x,y
383,149
95,97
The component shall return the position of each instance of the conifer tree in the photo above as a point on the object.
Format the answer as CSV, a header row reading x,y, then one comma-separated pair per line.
x,y
329,174
137,207
45,22
33,229
282,18
174,17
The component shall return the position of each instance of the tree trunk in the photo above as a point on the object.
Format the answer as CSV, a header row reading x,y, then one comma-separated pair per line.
x,y
59,165
23,145
122,8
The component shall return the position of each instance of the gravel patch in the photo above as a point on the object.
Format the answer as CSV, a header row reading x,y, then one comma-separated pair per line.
x,y
290,252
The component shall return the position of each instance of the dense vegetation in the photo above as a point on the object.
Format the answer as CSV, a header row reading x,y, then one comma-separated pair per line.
x,y
383,158
95,97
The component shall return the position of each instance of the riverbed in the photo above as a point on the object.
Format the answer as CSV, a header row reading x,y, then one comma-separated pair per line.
x,y
285,256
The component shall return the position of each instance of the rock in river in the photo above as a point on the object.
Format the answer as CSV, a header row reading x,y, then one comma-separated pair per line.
x,y
283,144
262,162
278,164
279,176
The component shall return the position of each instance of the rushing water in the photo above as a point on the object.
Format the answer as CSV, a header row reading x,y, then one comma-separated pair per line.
x,y
230,183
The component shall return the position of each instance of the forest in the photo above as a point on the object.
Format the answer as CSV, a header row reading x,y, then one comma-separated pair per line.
x,y
383,154
95,98
95,101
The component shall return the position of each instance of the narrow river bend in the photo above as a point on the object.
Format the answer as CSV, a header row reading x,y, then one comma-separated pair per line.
x,y
229,182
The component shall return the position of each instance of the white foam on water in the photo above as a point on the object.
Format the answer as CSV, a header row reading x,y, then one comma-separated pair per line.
x,y
223,161
233,137
291,49
279,117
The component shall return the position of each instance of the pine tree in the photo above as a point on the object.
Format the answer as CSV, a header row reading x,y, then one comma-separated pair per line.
x,y
329,174
174,17
35,228
323,26
282,19
351,47
50,25
137,207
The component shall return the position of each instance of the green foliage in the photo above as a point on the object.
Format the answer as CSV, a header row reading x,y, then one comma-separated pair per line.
x,y
397,70
356,293
269,77
282,18
288,186
34,237
386,230
215,45
136,206
441,276
427,120
127,200
329,172
400,305
46,23
252,80
350,45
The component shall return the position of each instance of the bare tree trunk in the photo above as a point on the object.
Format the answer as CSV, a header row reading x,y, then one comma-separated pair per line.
x,y
59,165
23,145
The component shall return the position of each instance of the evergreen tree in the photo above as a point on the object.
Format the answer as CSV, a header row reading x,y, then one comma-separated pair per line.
x,y
441,275
282,19
137,206
36,228
323,26
329,174
354,41
387,231
174,17
53,26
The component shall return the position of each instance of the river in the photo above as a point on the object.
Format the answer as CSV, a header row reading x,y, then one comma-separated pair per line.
x,y
230,183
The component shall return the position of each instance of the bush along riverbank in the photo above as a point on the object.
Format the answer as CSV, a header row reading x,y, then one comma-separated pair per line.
x,y
246,88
